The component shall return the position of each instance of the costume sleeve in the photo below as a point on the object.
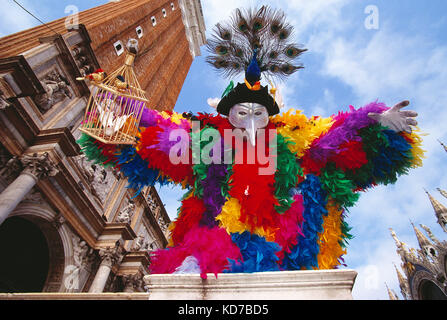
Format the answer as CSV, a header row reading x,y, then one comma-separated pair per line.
x,y
148,161
357,153
337,157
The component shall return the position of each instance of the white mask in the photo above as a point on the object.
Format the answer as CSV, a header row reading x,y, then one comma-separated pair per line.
x,y
249,116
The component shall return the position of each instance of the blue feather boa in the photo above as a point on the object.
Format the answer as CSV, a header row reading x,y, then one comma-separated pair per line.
x,y
137,170
257,253
392,159
305,253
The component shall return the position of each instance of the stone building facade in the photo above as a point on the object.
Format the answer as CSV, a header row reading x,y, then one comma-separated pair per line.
x,y
67,225
424,275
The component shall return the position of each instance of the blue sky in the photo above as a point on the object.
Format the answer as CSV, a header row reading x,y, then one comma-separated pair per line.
x,y
405,58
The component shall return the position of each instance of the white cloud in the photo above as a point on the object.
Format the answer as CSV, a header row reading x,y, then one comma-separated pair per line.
x,y
376,270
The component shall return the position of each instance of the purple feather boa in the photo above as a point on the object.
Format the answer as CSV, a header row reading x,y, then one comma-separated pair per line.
x,y
213,197
212,193
344,129
165,144
149,118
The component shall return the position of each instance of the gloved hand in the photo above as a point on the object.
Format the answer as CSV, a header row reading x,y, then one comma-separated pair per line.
x,y
395,119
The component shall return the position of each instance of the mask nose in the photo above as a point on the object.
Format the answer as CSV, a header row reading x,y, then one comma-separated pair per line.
x,y
252,131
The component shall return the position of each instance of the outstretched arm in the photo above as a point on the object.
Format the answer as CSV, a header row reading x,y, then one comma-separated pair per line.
x,y
340,156
364,147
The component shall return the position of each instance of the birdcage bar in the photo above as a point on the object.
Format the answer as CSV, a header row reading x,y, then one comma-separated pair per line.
x,y
115,106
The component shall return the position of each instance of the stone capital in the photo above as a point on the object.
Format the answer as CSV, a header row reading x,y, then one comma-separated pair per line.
x,y
111,255
38,165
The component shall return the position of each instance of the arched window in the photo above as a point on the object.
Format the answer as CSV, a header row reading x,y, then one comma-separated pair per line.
x,y
430,291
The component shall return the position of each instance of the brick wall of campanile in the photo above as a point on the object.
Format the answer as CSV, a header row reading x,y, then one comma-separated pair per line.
x,y
164,59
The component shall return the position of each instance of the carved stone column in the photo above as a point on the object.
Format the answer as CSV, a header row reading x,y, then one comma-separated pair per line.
x,y
36,166
109,257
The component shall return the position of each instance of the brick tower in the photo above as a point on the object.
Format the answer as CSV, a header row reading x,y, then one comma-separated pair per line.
x,y
169,33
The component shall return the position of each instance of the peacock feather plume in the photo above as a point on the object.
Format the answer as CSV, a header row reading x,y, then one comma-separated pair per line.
x,y
262,34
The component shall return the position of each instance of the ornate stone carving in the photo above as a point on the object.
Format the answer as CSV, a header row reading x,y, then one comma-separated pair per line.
x,y
150,245
86,169
85,70
424,264
77,51
100,180
82,61
39,165
430,234
155,208
144,242
157,211
4,103
112,255
83,255
152,203
163,224
138,242
132,282
83,258
56,89
58,221
125,215
11,169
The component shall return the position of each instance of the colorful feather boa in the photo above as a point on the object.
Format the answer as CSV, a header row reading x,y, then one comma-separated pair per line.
x,y
234,219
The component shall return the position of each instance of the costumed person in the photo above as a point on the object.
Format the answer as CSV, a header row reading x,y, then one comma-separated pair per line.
x,y
235,217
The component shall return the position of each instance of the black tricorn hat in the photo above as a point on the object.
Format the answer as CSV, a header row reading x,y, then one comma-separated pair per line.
x,y
241,93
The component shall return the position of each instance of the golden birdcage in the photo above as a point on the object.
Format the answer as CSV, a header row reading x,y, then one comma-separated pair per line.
x,y
115,105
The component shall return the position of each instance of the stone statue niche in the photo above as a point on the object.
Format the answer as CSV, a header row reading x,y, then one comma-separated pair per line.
x,y
125,215
56,89
100,179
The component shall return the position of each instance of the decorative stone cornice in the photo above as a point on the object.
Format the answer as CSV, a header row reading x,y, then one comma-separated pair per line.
x,y
114,232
